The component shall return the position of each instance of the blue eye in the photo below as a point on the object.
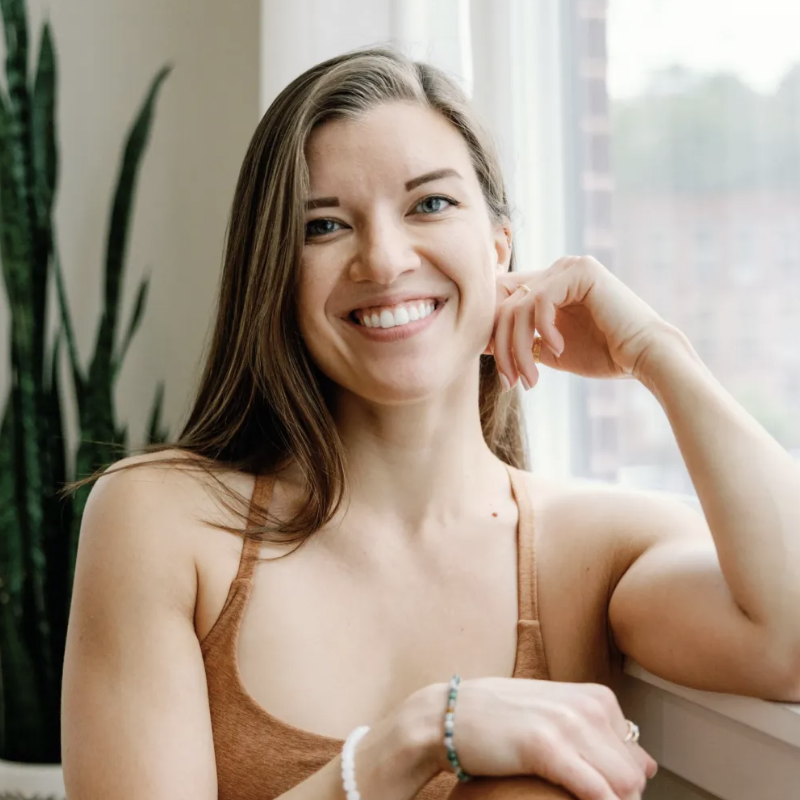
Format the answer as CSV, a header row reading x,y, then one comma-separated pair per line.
x,y
320,227
435,199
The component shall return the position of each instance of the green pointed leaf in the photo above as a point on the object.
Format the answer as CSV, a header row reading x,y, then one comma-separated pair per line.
x,y
15,26
24,252
157,433
12,568
69,332
44,109
118,235
20,708
57,512
44,158
17,225
54,414
23,718
133,325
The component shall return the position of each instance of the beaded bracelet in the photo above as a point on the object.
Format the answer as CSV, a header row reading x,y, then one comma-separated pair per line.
x,y
349,762
449,724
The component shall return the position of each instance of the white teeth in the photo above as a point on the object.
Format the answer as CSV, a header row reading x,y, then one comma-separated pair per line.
x,y
400,315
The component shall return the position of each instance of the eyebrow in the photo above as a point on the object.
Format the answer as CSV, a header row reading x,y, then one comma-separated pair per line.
x,y
437,174
431,176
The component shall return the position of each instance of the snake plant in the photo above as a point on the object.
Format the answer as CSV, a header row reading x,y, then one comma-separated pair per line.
x,y
39,528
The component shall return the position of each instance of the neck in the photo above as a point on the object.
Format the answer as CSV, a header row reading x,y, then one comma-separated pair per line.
x,y
419,464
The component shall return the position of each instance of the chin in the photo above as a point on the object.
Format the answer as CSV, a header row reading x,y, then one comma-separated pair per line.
x,y
405,386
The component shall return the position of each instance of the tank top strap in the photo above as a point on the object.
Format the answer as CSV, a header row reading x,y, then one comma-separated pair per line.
x,y
526,550
262,495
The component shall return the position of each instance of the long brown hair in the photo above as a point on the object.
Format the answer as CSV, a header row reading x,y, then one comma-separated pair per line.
x,y
261,403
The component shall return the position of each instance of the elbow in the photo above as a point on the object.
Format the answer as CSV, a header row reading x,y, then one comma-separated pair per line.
x,y
786,674
792,687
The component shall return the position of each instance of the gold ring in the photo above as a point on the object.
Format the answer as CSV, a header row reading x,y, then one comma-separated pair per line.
x,y
537,348
526,289
633,732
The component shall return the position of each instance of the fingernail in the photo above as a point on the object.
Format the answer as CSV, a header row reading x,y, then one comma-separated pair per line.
x,y
504,381
525,383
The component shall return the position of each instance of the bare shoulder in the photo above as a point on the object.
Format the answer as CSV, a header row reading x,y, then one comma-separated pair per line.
x,y
131,629
614,523
151,508
571,518
156,486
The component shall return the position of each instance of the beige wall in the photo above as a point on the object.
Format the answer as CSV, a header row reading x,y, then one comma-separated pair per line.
x,y
108,52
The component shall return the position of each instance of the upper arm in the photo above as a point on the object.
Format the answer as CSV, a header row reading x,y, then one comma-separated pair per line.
x,y
671,609
135,716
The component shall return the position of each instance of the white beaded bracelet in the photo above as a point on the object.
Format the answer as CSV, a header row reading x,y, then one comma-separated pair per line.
x,y
349,762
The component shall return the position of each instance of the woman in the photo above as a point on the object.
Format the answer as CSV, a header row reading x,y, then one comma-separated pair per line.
x,y
357,389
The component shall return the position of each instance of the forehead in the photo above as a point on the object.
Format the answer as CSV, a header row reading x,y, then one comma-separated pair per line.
x,y
393,141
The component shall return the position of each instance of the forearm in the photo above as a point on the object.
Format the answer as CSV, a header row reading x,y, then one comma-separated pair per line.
x,y
394,760
748,486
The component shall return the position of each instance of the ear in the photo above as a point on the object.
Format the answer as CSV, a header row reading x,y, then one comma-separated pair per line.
x,y
502,246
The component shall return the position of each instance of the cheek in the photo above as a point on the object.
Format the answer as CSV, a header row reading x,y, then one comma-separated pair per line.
x,y
312,294
475,274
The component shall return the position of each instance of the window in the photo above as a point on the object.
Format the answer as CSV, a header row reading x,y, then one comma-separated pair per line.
x,y
689,116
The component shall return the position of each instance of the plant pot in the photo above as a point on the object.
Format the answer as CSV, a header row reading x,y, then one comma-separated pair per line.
x,y
31,781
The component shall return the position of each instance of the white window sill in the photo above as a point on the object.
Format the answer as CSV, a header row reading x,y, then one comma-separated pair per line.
x,y
736,748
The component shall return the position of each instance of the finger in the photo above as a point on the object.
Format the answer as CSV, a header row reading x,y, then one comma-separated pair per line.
x,y
626,778
618,727
598,744
546,310
632,751
534,312
624,773
578,777
503,336
647,762
524,328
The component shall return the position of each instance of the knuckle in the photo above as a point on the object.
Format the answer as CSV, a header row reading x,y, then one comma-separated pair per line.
x,y
591,263
569,721
563,263
629,785
592,709
542,745
604,695
519,311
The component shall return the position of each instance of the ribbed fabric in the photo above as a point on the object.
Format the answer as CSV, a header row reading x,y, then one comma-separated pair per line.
x,y
258,756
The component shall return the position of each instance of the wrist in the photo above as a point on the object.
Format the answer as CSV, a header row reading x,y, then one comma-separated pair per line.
x,y
669,344
420,730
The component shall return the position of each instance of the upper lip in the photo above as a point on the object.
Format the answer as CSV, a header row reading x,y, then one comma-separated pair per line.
x,y
395,299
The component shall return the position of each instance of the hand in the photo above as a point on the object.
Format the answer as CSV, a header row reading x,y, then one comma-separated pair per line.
x,y
570,734
590,322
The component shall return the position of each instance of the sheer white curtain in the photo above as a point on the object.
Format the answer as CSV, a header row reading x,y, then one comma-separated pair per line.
x,y
685,132
506,54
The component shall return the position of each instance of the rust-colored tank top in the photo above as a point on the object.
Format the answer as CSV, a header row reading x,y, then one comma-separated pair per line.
x,y
258,756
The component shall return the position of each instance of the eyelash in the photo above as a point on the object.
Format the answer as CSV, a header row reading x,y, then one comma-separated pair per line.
x,y
453,203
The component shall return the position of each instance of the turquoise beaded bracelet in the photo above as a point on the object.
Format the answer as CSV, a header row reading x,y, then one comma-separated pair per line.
x,y
449,724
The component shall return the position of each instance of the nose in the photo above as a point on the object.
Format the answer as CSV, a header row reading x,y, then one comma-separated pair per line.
x,y
385,251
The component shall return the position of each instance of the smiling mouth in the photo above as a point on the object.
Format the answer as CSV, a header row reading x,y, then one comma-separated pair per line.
x,y
395,316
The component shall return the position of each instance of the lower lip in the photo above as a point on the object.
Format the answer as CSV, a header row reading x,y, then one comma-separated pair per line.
x,y
399,332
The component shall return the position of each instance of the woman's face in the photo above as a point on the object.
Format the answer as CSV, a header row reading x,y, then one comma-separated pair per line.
x,y
398,277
